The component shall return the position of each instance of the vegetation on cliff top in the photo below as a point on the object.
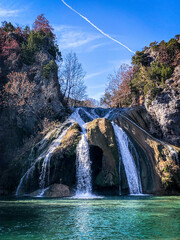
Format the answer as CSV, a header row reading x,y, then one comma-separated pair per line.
x,y
151,67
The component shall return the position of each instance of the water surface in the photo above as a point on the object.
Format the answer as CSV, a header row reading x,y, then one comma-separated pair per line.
x,y
129,217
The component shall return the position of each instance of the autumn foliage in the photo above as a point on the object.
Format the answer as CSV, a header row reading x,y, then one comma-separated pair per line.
x,y
42,24
117,93
10,46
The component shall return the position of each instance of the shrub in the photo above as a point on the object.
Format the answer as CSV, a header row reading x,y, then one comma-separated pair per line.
x,y
140,58
33,44
159,72
48,68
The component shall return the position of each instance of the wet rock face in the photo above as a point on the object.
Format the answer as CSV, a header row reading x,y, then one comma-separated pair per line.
x,y
100,134
165,109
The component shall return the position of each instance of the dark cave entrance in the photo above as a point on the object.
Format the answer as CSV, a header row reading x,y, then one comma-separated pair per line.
x,y
96,156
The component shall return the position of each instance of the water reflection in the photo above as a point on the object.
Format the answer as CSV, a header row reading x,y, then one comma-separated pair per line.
x,y
110,218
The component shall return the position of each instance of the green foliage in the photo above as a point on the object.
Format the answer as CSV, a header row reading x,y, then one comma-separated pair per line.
x,y
172,47
159,72
33,44
48,68
154,45
7,26
150,80
35,41
140,58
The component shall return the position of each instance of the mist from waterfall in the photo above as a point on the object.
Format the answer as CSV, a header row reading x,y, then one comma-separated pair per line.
x,y
128,161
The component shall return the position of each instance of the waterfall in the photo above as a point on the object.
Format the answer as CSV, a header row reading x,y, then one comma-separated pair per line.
x,y
128,161
83,166
83,162
46,147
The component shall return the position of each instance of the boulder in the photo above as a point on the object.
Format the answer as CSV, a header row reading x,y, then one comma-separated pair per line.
x,y
57,190
53,191
100,134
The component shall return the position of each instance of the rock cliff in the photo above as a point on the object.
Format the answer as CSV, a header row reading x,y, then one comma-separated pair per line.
x,y
30,61
165,109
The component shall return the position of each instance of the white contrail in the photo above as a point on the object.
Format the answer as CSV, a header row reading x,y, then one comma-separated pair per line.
x,y
97,27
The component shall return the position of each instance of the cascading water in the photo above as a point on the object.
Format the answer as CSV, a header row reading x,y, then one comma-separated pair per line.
x,y
83,162
83,166
128,161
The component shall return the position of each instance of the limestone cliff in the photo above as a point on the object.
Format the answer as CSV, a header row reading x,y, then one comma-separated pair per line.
x,y
165,109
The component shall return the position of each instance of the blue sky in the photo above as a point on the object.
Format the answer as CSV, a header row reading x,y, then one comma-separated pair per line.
x,y
134,23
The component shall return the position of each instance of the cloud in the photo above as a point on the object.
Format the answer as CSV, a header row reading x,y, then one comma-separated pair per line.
x,y
8,13
74,37
93,47
91,75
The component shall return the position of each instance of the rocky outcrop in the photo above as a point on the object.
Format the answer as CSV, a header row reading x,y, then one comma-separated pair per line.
x,y
101,139
165,109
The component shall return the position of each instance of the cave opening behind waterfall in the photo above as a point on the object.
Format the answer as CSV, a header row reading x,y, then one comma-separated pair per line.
x,y
96,156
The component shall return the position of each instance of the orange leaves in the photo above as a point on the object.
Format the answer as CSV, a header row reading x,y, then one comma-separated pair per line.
x,y
9,46
118,91
41,23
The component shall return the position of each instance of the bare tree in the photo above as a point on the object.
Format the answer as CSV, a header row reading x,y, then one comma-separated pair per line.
x,y
72,79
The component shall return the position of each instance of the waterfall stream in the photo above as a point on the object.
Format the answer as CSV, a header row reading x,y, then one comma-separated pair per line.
x,y
128,161
83,168
83,162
